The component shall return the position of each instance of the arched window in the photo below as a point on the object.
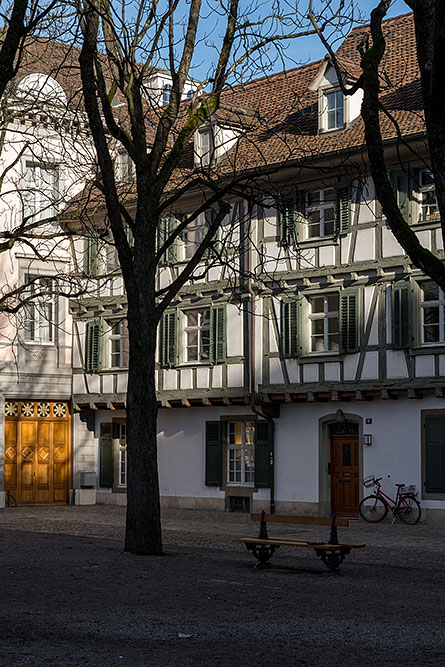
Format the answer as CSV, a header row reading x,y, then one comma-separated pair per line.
x,y
39,87
166,93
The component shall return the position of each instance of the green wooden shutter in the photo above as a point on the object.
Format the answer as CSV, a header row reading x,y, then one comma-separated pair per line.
x,y
209,216
401,315
213,454
289,218
263,453
401,185
343,210
93,347
168,339
290,329
168,226
218,334
349,320
106,477
92,256
435,453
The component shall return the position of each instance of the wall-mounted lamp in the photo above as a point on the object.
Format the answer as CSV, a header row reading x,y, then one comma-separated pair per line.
x,y
367,439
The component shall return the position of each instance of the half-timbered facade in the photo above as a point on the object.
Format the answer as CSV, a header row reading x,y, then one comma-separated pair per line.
x,y
324,361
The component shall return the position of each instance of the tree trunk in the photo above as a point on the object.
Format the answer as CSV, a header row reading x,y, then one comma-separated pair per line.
x,y
143,526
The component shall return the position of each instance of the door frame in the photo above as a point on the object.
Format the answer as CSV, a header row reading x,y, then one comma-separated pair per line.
x,y
324,459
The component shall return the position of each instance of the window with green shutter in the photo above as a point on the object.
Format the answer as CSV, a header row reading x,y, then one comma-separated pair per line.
x,y
106,461
92,256
263,453
218,334
401,184
349,320
169,339
291,214
435,453
290,329
343,210
168,225
213,453
401,315
93,346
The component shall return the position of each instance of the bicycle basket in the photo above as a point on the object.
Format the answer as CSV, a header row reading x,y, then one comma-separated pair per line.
x,y
411,489
369,481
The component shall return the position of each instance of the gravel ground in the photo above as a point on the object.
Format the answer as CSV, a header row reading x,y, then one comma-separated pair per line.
x,y
71,596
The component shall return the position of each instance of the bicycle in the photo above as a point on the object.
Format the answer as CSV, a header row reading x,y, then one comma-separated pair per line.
x,y
375,507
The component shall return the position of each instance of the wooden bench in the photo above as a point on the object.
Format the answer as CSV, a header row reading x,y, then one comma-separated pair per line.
x,y
332,552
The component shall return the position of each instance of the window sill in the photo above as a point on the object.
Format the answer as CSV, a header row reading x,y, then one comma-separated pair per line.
x,y
38,343
427,349
318,241
314,357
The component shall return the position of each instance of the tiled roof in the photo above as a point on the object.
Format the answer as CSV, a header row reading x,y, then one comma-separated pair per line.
x,y
281,114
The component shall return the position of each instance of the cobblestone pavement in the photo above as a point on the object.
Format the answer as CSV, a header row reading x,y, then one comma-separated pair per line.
x,y
72,597
215,529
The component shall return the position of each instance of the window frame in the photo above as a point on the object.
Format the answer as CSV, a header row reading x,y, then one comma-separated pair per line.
x,y
35,197
34,307
423,189
434,303
325,315
167,89
244,447
189,329
120,337
321,207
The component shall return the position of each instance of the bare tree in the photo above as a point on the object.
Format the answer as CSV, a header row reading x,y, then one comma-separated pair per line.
x,y
429,21
119,53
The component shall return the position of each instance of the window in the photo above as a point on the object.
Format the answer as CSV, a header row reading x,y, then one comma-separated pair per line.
x,y
320,211
119,345
124,167
122,440
334,110
39,313
324,323
192,236
166,93
40,194
433,314
197,334
189,94
241,453
205,146
434,453
428,209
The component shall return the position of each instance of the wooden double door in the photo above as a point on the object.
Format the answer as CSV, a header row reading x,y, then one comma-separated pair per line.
x,y
37,451
344,475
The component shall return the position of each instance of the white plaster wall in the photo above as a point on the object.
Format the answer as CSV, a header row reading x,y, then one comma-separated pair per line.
x,y
326,255
234,331
371,366
365,245
367,202
390,247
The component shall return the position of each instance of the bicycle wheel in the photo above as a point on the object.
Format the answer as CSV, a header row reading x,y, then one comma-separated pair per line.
x,y
372,509
408,509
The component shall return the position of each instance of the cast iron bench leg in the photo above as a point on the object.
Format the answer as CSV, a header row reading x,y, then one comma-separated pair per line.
x,y
263,553
332,558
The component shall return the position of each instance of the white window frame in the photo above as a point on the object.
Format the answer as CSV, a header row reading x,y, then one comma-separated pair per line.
x,y
322,206
339,123
121,337
326,315
40,196
423,208
239,475
205,145
199,329
436,303
40,313
166,93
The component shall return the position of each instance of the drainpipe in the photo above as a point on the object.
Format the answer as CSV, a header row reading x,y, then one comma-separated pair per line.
x,y
252,359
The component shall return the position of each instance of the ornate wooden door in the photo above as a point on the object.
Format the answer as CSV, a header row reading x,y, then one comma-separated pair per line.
x,y
344,475
37,451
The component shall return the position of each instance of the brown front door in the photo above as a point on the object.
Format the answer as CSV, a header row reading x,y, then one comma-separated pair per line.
x,y
37,451
344,475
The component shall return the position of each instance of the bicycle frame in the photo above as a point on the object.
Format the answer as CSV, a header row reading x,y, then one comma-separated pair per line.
x,y
391,504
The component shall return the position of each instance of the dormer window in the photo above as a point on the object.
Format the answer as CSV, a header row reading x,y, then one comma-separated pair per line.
x,y
205,146
166,93
334,104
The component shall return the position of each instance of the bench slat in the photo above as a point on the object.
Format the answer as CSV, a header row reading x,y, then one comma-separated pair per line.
x,y
296,543
340,521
